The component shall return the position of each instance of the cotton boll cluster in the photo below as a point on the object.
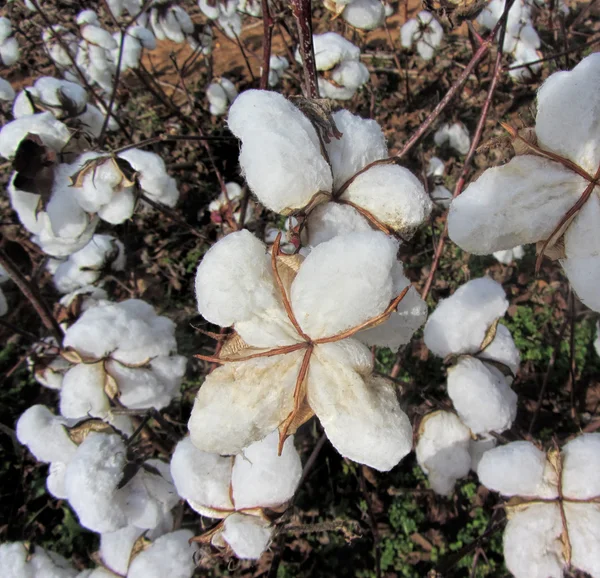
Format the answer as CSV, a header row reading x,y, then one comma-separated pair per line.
x,y
120,349
86,266
226,15
7,93
283,164
528,199
238,489
277,67
220,95
554,516
339,60
336,294
9,46
170,21
510,255
520,40
454,136
425,32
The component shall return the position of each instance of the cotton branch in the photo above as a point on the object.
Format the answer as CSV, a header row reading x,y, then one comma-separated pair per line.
x,y
302,13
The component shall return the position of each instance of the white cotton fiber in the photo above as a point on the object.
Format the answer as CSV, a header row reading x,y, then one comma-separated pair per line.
x,y
443,450
7,92
455,136
91,482
262,478
584,275
45,435
13,561
280,157
170,555
583,521
514,469
200,477
82,393
393,195
503,349
518,203
343,283
481,395
328,220
331,49
248,536
55,482
581,467
361,143
567,124
364,14
459,323
48,564
53,133
424,31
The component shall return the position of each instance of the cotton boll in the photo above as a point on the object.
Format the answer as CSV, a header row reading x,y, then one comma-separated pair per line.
x,y
424,31
231,24
364,14
91,482
436,167
393,195
482,397
52,92
360,413
581,467
329,220
455,136
262,478
331,49
510,255
53,133
239,403
209,9
13,561
459,323
47,564
502,350
277,66
115,548
5,29
443,450
9,51
441,196
514,469
515,204
7,92
202,478
170,555
55,482
567,124
248,536
281,156
532,546
361,143
45,435
335,91
343,283
217,99
584,275
583,523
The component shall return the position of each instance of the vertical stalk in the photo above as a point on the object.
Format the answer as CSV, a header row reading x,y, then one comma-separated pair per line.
x,y
267,37
301,10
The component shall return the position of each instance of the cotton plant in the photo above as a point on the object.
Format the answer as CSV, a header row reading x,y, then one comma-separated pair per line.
x,y
339,62
277,67
302,327
454,136
120,351
86,266
553,510
361,14
520,39
169,21
425,32
509,256
547,194
243,491
464,329
9,46
220,95
447,450
333,179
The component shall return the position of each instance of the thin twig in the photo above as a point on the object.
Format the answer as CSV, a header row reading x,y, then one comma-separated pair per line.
x,y
267,38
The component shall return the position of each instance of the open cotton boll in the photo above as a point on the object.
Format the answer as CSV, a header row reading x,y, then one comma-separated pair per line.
x,y
481,395
393,195
53,133
91,482
502,350
329,220
53,92
116,547
5,29
566,124
361,143
459,323
364,14
281,156
217,98
48,564
583,521
331,49
584,274
13,560
443,450
201,478
262,478
248,536
85,267
9,51
82,392
516,469
170,555
90,296
350,74
581,467
343,283
510,255
45,435
424,31
455,136
7,92
277,66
